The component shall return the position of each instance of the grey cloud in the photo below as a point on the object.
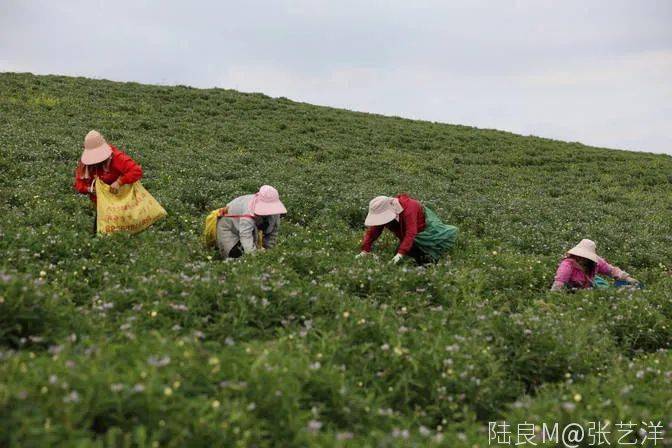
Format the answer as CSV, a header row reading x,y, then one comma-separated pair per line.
x,y
595,71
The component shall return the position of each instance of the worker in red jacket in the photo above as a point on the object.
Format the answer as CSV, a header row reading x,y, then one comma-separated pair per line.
x,y
105,162
421,233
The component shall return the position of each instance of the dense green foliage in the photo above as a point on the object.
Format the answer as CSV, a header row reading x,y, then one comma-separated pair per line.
x,y
150,340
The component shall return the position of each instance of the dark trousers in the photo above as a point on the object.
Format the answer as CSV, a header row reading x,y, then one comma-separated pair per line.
x,y
236,251
418,255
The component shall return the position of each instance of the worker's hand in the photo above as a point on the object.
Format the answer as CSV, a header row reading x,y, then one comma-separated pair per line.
x,y
361,254
114,188
397,258
557,286
631,280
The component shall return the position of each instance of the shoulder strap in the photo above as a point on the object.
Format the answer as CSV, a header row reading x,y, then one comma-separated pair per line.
x,y
238,216
224,213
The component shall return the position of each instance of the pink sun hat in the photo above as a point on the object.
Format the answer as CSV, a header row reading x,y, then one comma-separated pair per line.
x,y
585,249
96,149
382,209
267,202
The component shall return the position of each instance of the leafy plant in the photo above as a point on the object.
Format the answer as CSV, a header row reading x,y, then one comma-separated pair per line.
x,y
152,341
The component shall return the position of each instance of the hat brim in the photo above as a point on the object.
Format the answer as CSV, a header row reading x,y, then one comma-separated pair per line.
x,y
379,219
96,155
269,208
580,252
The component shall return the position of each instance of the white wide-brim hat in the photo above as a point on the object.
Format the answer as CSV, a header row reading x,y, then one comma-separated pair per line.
x,y
267,202
96,149
586,249
382,209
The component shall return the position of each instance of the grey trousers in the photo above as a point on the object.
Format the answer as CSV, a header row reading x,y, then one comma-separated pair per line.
x,y
228,239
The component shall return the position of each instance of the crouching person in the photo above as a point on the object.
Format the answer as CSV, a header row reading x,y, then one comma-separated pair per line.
x,y
244,217
422,236
580,267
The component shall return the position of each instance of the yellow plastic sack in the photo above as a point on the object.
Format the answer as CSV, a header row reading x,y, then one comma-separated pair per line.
x,y
210,227
132,209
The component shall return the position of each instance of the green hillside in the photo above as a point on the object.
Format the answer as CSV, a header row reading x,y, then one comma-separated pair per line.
x,y
151,341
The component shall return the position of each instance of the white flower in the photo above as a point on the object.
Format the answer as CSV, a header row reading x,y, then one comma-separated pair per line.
x,y
158,362
199,334
179,307
72,397
568,406
400,433
55,349
314,425
315,366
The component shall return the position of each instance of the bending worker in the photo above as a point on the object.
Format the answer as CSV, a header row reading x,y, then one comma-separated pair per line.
x,y
580,267
420,231
244,217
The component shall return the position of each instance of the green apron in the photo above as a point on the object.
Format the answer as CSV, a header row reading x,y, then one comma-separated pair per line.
x,y
437,238
600,283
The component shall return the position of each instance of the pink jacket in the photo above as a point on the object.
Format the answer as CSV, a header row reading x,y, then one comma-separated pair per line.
x,y
570,274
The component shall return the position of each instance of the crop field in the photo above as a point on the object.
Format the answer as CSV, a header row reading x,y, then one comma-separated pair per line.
x,y
151,340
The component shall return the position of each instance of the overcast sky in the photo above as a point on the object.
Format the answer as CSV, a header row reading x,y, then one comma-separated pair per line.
x,y
599,72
